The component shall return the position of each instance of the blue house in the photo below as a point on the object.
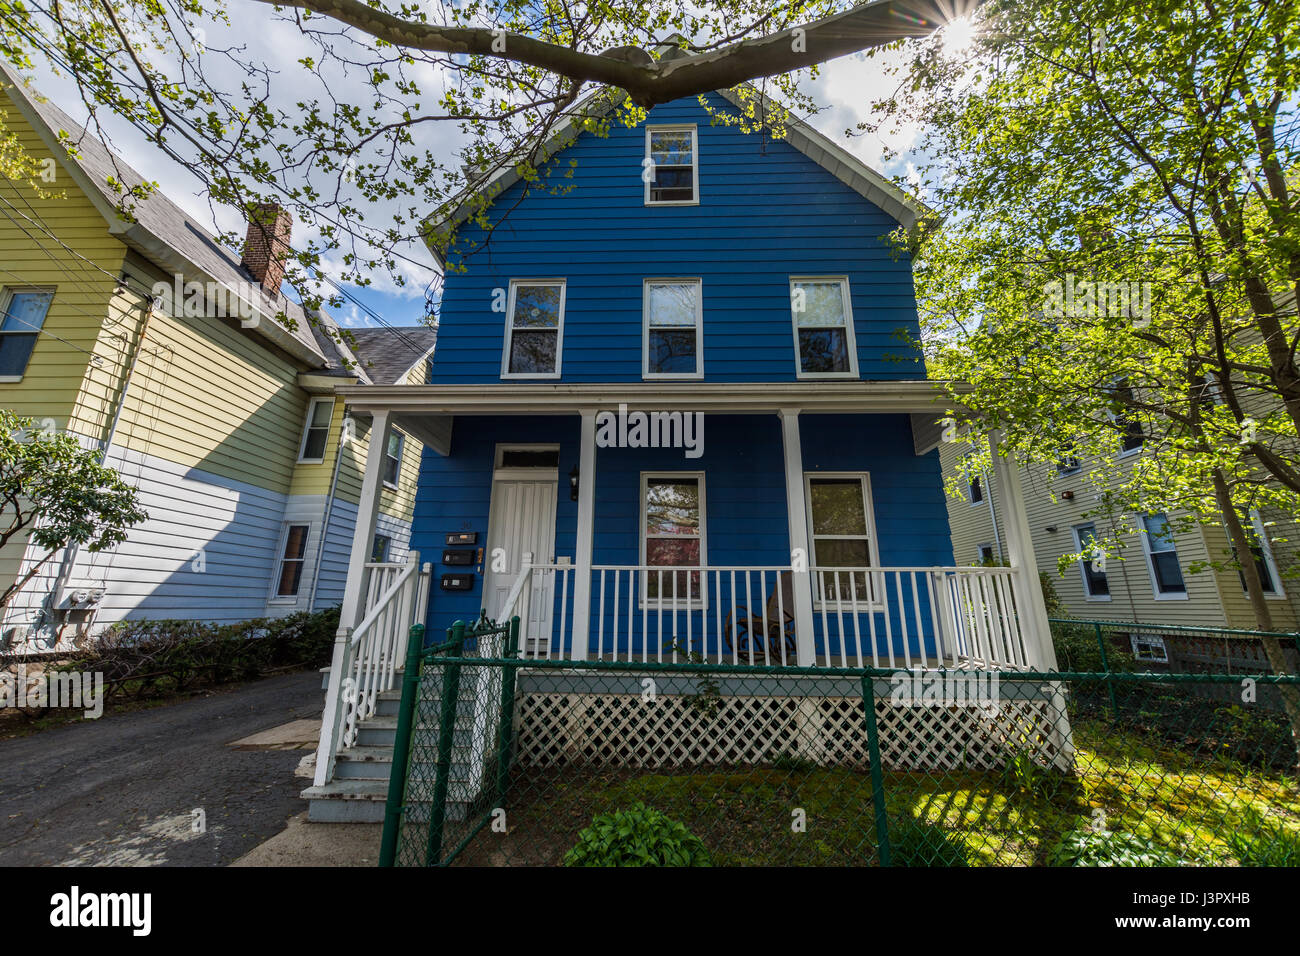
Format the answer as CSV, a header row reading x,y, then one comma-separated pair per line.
x,y
677,407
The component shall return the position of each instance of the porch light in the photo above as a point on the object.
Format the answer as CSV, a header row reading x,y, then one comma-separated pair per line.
x,y
573,484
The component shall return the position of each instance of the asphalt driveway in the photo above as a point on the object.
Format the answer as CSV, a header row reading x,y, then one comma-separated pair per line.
x,y
122,790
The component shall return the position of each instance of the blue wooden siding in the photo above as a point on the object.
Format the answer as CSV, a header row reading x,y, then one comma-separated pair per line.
x,y
766,213
745,501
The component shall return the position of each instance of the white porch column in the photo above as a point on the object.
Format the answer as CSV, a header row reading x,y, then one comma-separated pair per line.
x,y
353,591
796,516
1020,552
586,528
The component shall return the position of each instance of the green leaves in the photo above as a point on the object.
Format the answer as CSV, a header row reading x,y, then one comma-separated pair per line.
x,y
55,493
637,836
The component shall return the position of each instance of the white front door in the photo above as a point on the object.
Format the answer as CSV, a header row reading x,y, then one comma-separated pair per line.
x,y
521,521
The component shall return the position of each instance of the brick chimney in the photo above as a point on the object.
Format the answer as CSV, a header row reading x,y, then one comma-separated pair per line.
x,y
266,246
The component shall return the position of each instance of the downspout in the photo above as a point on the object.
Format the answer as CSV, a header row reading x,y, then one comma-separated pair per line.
x,y
326,516
993,516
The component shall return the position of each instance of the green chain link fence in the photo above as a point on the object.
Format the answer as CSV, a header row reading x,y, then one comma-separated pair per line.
x,y
502,761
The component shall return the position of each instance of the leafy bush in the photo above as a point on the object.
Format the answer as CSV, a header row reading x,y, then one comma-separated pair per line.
x,y
1259,843
150,658
1088,846
1077,650
638,836
916,843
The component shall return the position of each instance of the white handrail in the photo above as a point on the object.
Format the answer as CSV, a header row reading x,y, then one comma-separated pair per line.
x,y
371,654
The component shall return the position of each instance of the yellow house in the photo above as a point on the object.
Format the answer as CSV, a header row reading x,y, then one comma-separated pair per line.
x,y
208,390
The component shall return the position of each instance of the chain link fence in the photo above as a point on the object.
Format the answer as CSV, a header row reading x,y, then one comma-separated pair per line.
x,y
504,761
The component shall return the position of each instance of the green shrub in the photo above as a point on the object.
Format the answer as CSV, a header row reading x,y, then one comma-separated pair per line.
x,y
1087,846
916,843
1077,650
1259,843
637,836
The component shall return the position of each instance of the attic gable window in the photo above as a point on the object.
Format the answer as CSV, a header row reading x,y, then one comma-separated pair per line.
x,y
670,168
823,328
534,329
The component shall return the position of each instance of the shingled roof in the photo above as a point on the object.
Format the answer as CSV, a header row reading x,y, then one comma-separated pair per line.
x,y
387,355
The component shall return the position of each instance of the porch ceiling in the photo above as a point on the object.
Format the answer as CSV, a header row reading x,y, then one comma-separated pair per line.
x,y
528,398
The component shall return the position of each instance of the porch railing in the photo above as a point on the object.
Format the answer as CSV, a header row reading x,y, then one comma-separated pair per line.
x,y
877,617
396,596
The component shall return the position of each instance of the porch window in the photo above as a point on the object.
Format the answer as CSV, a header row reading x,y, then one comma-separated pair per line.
x,y
842,535
22,313
381,548
293,556
534,329
1162,558
672,329
670,170
1262,552
1095,585
823,328
317,431
393,458
672,535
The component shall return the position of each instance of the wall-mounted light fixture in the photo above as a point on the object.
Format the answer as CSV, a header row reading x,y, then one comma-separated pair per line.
x,y
573,484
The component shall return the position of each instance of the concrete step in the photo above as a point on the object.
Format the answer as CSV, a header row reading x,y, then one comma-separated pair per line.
x,y
347,801
364,763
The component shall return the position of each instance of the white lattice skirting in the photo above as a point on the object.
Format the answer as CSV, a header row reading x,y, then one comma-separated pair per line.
x,y
627,730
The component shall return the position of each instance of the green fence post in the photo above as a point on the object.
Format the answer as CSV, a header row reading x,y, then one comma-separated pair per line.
x,y
402,746
877,772
446,738
1105,666
506,730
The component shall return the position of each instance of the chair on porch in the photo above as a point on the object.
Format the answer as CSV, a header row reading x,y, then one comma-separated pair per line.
x,y
744,632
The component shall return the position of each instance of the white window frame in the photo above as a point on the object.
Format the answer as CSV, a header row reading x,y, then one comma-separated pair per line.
x,y
275,597
539,473
401,455
871,602
6,296
1278,593
692,603
850,337
646,373
306,431
695,163
979,551
388,550
1126,452
1083,571
1151,564
510,322
1153,640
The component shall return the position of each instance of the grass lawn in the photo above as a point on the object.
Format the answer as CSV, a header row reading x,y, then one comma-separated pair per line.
x,y
751,816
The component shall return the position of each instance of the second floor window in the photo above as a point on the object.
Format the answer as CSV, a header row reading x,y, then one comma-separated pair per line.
x,y
1262,552
22,313
1130,428
1162,556
673,321
670,171
534,329
319,415
393,458
823,328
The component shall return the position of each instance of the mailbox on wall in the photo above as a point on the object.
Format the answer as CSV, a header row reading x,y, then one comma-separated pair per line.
x,y
454,538
457,582
458,556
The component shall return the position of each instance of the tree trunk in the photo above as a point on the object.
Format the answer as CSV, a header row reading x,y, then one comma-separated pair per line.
x,y
1259,604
